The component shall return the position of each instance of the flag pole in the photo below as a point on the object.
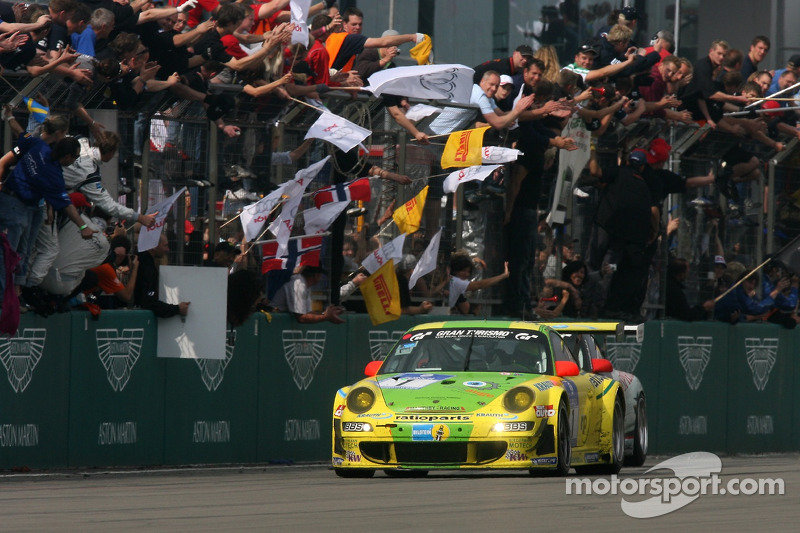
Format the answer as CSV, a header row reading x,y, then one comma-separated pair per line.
x,y
756,269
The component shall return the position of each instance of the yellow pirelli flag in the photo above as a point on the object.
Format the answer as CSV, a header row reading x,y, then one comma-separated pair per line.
x,y
409,215
382,294
463,148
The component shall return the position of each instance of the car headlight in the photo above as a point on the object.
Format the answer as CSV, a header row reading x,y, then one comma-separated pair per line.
x,y
360,400
518,399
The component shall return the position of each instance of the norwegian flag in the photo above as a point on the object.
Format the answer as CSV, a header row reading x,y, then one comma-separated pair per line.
x,y
304,251
344,192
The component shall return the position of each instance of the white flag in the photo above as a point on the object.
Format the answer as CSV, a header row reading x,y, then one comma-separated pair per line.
x,y
420,111
498,154
434,82
458,287
340,132
318,220
427,261
570,166
464,175
282,226
391,250
148,237
299,12
255,215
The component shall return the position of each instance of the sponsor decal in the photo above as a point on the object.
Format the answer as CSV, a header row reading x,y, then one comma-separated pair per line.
x,y
412,381
475,384
516,455
21,354
350,444
339,411
543,385
430,432
760,425
337,461
479,393
212,371
511,374
624,379
693,425
415,337
19,435
545,411
352,457
118,353
761,357
591,457
526,336
462,151
211,431
356,426
519,443
377,416
116,433
303,351
596,380
405,349
694,355
624,355
539,461
426,408
503,416
433,418
301,430
470,333
517,426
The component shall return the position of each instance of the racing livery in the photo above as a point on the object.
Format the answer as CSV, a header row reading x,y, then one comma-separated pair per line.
x,y
478,394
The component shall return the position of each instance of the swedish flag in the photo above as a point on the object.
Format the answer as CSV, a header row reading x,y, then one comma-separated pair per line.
x,y
38,111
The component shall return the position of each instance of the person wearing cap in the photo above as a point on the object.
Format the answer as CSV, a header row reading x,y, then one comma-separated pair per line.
x,y
511,66
294,297
224,255
504,97
584,61
793,65
758,51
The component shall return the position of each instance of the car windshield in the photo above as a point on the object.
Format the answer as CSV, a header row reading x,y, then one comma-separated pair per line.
x,y
474,349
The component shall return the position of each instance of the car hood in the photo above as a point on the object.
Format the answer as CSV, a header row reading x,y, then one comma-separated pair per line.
x,y
446,392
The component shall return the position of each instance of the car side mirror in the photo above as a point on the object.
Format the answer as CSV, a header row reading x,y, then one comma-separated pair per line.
x,y
601,365
371,370
566,369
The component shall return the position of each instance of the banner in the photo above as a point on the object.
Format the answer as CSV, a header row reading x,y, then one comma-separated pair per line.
x,y
319,220
570,165
148,237
382,295
304,251
409,215
464,175
340,132
429,82
497,154
358,189
427,261
463,148
392,250
282,226
299,17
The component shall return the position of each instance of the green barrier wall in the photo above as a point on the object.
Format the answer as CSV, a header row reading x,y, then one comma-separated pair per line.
x,y
82,392
116,390
34,394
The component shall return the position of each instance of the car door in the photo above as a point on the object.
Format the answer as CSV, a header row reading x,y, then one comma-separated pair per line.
x,y
579,391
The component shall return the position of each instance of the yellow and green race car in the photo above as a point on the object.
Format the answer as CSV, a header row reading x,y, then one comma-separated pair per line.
x,y
476,395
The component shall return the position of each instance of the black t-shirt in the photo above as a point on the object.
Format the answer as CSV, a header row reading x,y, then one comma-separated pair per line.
x,y
163,50
212,48
59,37
624,209
352,46
19,57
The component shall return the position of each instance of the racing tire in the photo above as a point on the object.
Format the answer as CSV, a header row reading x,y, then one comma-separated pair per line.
x,y
354,472
640,434
563,445
406,473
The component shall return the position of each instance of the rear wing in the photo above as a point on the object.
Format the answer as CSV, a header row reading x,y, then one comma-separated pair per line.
x,y
608,328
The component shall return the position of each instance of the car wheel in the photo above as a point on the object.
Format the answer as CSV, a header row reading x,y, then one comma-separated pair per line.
x,y
354,472
406,473
617,438
563,445
640,434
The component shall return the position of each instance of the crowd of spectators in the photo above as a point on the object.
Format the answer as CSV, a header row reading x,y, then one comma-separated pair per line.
x,y
181,50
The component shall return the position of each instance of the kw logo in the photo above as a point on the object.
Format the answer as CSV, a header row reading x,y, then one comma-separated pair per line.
x,y
119,353
761,357
380,342
303,353
20,355
213,370
694,355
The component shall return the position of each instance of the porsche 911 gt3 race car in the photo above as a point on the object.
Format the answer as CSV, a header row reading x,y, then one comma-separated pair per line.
x,y
583,345
478,394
